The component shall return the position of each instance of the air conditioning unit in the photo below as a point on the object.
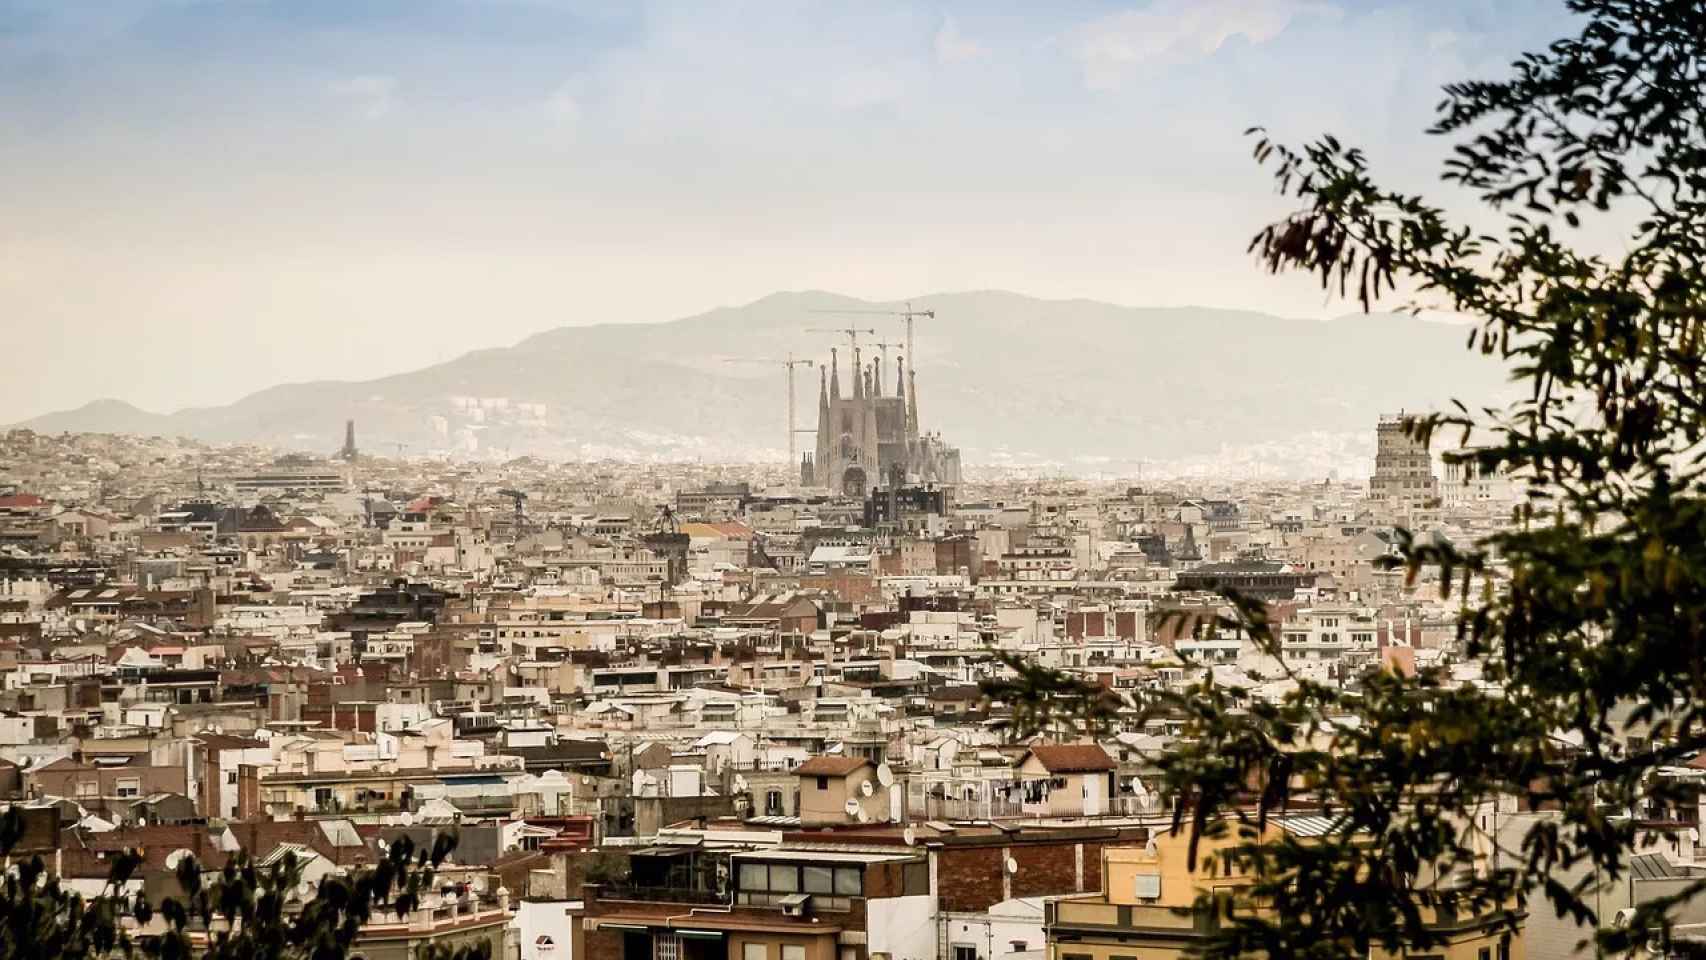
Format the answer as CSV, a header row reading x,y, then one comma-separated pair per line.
x,y
796,904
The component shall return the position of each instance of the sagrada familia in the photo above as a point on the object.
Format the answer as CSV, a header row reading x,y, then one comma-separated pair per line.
x,y
871,440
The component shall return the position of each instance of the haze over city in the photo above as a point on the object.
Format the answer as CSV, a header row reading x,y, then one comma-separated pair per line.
x,y
276,192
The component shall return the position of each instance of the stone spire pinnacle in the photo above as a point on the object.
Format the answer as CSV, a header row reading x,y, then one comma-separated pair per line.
x,y
834,375
912,403
900,376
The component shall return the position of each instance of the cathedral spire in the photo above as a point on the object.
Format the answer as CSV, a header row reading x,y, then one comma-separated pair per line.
x,y
912,404
876,378
834,375
820,462
900,377
858,375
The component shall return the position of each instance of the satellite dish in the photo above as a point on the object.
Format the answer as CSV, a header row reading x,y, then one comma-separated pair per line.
x,y
885,776
909,836
740,784
863,816
1012,866
851,806
866,788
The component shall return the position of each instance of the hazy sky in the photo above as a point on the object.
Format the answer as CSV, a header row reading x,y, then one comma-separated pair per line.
x,y
206,198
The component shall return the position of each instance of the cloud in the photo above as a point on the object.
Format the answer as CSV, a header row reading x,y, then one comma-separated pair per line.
x,y
371,94
564,105
866,87
1110,47
954,47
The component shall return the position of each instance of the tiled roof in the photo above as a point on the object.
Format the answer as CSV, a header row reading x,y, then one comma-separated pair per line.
x,y
1072,757
830,766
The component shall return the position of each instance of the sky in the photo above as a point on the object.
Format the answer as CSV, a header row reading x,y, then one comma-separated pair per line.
x,y
203,198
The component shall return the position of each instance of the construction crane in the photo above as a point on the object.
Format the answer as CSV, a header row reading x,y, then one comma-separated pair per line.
x,y
883,367
852,333
884,346
909,314
788,365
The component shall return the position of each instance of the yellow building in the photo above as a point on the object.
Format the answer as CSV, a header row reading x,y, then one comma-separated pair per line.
x,y
1147,910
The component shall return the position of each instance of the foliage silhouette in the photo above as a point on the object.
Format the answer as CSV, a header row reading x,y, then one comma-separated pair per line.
x,y
245,911
1589,611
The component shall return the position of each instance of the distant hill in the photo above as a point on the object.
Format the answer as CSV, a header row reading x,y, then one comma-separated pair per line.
x,y
1004,376
102,416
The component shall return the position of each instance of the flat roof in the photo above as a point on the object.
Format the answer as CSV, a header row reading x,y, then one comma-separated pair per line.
x,y
820,856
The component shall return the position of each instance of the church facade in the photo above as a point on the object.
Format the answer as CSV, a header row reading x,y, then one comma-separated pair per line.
x,y
870,439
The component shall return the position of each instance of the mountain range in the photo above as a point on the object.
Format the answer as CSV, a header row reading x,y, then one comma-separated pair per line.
x,y
1008,378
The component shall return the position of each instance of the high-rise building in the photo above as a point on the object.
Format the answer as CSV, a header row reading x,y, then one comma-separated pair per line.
x,y
1403,468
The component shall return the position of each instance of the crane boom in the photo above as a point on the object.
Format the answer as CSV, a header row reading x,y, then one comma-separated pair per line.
x,y
908,313
851,332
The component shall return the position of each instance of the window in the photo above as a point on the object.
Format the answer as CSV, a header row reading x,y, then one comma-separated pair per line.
x,y
793,951
847,882
963,952
754,951
132,787
231,777
831,887
1486,953
915,880
819,879
823,783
